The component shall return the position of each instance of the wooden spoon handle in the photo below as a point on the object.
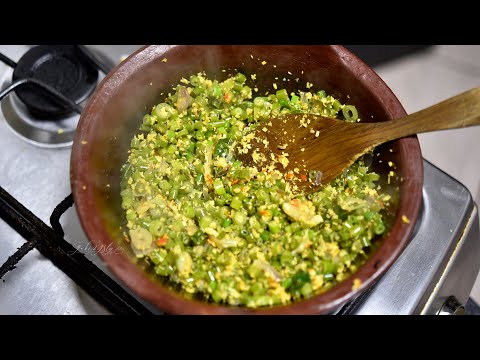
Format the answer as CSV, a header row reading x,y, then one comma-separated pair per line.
x,y
457,112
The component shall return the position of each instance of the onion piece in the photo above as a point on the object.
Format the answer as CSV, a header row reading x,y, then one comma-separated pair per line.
x,y
184,99
207,171
318,178
268,268
141,241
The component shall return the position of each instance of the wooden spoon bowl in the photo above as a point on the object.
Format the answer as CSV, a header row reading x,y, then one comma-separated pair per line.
x,y
329,146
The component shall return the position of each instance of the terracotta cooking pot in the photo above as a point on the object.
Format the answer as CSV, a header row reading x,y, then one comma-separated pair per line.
x,y
113,115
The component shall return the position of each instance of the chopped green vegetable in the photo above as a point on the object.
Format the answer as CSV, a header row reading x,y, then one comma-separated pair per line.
x,y
226,231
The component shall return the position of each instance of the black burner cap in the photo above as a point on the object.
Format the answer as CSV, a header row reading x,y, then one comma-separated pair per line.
x,y
63,67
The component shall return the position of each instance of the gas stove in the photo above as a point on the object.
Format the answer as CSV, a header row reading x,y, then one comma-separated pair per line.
x,y
62,273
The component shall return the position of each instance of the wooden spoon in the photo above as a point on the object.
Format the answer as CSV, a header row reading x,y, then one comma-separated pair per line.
x,y
330,146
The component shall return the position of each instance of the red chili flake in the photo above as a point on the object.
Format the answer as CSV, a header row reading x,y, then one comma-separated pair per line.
x,y
162,241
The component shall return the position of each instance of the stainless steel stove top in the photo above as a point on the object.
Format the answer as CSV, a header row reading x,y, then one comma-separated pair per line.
x,y
442,259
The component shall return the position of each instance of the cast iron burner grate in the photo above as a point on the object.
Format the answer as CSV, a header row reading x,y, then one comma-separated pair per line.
x,y
51,243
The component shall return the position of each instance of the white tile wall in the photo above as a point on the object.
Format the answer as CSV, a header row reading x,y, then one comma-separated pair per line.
x,y
425,78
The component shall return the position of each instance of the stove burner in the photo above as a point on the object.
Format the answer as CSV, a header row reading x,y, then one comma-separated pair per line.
x,y
65,68
50,134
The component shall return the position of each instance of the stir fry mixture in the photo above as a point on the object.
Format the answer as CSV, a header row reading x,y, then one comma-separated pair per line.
x,y
234,234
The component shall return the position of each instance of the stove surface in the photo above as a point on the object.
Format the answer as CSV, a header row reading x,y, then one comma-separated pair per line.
x,y
440,261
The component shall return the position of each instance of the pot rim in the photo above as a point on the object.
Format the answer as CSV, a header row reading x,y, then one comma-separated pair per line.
x,y
174,303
